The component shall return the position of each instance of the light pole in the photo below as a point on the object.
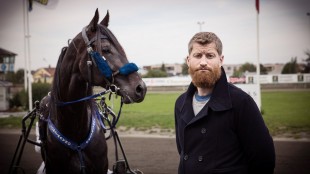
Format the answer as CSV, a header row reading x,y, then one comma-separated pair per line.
x,y
308,14
200,25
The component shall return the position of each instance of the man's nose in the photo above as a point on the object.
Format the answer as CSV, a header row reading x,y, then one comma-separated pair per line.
x,y
203,61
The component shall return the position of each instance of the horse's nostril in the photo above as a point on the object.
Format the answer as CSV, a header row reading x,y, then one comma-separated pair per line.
x,y
139,89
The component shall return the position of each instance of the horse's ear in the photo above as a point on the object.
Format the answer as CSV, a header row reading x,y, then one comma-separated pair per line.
x,y
93,23
105,20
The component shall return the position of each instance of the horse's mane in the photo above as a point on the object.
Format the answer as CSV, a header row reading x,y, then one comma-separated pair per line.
x,y
55,95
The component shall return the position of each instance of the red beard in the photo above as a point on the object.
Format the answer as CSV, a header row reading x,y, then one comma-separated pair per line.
x,y
205,79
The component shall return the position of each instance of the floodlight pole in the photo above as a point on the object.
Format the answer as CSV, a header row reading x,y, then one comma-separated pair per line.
x,y
258,65
308,14
200,25
27,54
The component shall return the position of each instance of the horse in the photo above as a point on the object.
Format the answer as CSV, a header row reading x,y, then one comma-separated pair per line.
x,y
73,137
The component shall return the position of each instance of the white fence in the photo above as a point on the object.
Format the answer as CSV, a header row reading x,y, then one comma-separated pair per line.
x,y
249,79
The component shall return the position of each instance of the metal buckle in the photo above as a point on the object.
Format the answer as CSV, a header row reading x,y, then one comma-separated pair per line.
x,y
113,88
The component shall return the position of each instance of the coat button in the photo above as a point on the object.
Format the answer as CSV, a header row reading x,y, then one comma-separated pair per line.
x,y
200,158
203,130
185,157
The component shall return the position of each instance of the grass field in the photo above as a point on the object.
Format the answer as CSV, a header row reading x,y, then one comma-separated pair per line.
x,y
283,111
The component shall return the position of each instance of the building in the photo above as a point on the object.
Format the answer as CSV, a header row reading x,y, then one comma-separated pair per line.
x,y
171,69
231,68
44,75
274,68
7,61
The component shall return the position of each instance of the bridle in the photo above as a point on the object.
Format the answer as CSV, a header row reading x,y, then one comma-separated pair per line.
x,y
96,58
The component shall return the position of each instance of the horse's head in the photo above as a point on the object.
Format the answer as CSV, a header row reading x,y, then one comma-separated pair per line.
x,y
103,61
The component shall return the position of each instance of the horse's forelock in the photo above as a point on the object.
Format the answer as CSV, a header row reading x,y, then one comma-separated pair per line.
x,y
112,38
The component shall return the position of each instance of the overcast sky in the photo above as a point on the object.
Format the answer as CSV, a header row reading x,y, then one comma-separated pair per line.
x,y
158,31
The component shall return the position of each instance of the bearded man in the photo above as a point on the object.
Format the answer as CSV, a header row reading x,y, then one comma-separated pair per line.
x,y
219,128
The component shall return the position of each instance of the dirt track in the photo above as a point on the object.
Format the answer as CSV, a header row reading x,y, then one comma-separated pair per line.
x,y
158,155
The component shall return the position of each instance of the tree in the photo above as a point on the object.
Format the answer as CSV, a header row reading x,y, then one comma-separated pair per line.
x,y
16,78
247,67
185,68
290,67
307,60
263,70
163,67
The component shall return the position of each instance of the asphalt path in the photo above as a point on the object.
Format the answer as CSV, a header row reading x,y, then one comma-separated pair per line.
x,y
154,155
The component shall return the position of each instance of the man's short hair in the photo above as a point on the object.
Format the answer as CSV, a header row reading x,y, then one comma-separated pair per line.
x,y
204,38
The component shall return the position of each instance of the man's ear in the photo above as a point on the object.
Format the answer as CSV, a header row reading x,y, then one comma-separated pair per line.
x,y
187,61
221,60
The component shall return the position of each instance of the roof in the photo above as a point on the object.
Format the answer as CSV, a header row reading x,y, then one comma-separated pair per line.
x,y
5,53
50,70
5,83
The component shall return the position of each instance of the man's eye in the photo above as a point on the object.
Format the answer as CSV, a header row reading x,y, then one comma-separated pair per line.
x,y
197,55
210,56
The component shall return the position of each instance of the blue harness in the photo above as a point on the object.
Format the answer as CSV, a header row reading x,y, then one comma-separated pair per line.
x,y
73,145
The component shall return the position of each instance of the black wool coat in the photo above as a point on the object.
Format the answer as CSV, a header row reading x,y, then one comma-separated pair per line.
x,y
227,136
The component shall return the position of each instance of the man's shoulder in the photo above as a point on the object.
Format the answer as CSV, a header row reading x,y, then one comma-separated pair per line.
x,y
181,97
237,93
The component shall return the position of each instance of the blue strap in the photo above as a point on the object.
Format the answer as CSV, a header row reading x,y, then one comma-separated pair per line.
x,y
102,64
128,69
67,142
60,103
105,69
99,116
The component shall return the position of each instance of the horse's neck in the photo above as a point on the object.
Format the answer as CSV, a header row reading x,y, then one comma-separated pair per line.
x,y
74,118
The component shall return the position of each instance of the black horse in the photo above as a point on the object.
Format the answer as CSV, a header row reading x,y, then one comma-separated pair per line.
x,y
71,132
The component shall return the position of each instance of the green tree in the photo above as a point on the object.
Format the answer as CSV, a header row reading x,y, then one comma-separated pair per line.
x,y
184,68
290,67
15,77
247,67
163,67
19,100
155,73
307,62
39,90
263,70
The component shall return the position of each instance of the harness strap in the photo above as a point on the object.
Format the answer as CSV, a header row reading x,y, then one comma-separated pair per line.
x,y
60,103
66,141
72,145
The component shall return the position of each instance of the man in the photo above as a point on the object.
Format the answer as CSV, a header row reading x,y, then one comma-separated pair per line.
x,y
219,128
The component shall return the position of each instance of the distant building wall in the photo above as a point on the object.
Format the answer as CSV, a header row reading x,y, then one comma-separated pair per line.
x,y
251,79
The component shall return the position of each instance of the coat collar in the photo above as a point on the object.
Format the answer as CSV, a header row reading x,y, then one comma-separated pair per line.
x,y
219,101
